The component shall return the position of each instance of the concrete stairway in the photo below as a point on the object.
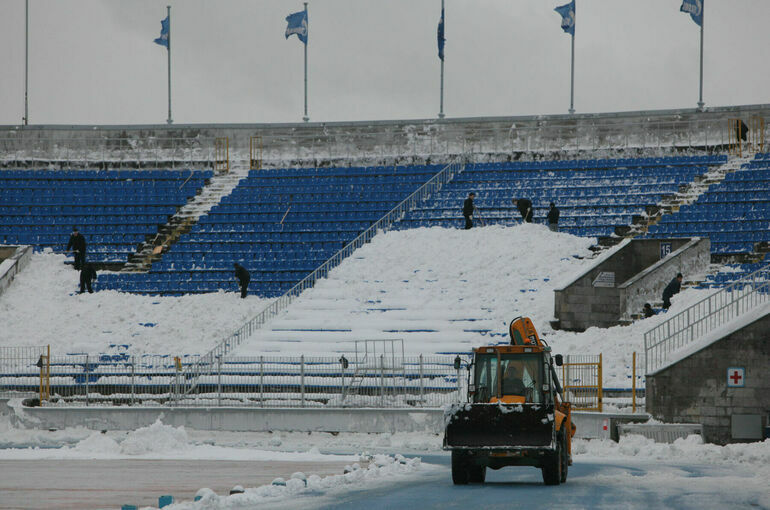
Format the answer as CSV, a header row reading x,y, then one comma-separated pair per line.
x,y
688,195
180,223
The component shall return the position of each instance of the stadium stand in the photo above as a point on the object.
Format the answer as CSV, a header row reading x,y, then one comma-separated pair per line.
x,y
594,196
115,209
280,224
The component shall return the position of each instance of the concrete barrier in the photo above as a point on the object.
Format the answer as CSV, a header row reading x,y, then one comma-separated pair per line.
x,y
367,420
661,432
14,259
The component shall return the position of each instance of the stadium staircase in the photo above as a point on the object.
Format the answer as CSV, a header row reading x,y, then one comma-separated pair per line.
x,y
180,223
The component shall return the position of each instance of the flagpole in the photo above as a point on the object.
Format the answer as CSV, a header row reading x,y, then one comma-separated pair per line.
x,y
572,77
169,120
26,62
306,118
702,20
441,96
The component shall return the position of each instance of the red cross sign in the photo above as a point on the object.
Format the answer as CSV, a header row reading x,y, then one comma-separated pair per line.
x,y
736,377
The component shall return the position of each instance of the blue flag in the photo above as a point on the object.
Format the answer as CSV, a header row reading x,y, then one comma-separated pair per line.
x,y
695,9
567,17
441,38
163,39
297,25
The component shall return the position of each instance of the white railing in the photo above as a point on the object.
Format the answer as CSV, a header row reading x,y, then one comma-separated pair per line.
x,y
209,360
704,316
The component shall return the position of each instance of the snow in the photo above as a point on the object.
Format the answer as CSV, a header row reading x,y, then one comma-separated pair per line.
x,y
157,441
635,461
440,290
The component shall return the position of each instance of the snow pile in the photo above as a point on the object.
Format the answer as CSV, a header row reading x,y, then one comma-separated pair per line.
x,y
157,441
691,450
157,438
438,289
382,469
42,307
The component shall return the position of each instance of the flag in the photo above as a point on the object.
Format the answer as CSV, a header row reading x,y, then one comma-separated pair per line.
x,y
163,39
297,25
695,9
567,17
440,34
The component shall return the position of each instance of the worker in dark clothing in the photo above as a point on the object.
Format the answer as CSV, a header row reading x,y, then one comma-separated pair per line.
x,y
87,275
78,244
648,311
243,277
525,208
672,288
468,209
553,218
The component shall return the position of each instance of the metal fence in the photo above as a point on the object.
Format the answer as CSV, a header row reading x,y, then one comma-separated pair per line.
x,y
704,316
277,381
582,381
207,362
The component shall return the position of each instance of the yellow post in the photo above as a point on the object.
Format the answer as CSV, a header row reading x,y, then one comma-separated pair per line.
x,y
600,382
255,153
48,374
757,133
222,154
633,383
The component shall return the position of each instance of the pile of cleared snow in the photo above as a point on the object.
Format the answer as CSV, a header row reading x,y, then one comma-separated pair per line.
x,y
42,307
690,450
382,469
159,441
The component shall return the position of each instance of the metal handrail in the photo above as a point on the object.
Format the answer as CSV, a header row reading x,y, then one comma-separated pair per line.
x,y
208,361
704,316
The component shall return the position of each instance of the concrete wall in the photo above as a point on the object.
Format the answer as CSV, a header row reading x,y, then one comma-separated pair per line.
x,y
13,260
639,274
315,141
589,425
647,286
695,390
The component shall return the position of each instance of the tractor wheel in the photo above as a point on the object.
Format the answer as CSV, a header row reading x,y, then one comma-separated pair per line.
x,y
552,471
477,473
460,471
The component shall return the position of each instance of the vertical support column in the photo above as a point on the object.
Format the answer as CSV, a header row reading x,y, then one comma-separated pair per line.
x,y
302,379
262,381
633,383
219,380
382,380
133,375
422,376
599,383
87,379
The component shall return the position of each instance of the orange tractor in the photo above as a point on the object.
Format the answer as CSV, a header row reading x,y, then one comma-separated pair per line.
x,y
515,415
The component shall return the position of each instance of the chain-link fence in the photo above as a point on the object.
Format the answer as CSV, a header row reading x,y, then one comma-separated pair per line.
x,y
262,381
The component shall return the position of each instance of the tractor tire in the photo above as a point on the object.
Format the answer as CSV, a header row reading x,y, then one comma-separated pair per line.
x,y
477,473
460,471
553,470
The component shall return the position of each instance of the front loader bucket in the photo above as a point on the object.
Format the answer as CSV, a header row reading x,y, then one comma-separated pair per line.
x,y
498,425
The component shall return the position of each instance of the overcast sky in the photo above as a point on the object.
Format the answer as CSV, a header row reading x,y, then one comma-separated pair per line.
x,y
94,61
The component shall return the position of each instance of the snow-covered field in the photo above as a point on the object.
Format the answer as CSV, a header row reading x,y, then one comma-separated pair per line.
x,y
440,290
679,471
